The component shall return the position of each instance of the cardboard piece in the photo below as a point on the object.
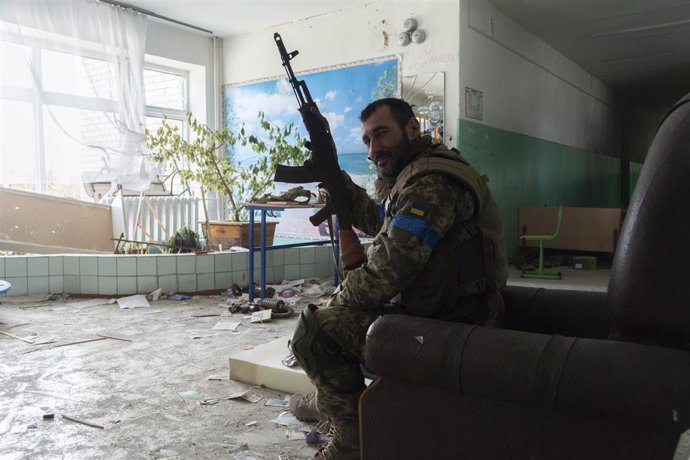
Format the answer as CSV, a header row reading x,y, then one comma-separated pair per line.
x,y
262,366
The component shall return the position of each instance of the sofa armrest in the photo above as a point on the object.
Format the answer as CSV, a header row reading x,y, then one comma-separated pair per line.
x,y
557,311
631,383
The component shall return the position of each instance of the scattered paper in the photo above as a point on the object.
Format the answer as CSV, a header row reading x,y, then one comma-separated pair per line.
x,y
209,402
133,301
312,291
190,395
286,285
419,338
286,418
244,454
200,334
276,403
252,423
226,325
295,433
247,395
154,295
260,316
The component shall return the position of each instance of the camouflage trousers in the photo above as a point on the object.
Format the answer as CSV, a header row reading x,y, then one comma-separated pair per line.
x,y
340,382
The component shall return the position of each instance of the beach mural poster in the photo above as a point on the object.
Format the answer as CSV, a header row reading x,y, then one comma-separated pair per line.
x,y
340,93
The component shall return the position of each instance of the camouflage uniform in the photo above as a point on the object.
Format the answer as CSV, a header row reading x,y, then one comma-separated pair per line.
x,y
396,262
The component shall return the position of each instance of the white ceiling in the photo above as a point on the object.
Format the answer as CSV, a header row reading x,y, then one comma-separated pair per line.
x,y
236,17
639,48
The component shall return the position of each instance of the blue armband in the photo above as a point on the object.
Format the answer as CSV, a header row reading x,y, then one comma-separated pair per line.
x,y
417,227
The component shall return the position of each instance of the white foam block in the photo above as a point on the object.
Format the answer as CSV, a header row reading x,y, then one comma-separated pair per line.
x,y
262,366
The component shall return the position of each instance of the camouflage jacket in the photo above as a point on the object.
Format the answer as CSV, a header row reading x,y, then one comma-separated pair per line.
x,y
396,257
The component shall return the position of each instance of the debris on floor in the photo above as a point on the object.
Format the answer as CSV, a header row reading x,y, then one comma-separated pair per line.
x,y
170,393
247,395
133,301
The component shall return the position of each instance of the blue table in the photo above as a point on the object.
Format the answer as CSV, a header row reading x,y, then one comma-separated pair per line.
x,y
276,206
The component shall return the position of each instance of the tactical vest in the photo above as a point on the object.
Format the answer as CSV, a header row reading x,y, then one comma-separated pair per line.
x,y
464,274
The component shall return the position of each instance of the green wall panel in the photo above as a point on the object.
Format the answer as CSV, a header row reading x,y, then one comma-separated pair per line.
x,y
526,171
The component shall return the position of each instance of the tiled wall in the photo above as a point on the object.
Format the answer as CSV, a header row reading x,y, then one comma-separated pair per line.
x,y
141,274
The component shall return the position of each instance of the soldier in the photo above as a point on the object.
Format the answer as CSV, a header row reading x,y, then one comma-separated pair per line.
x,y
438,252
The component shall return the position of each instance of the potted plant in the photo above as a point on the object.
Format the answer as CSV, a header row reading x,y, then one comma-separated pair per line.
x,y
205,159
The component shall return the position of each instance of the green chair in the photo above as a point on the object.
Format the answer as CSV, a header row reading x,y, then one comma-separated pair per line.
x,y
540,273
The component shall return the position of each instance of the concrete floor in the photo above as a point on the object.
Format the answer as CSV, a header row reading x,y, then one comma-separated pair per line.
x,y
132,388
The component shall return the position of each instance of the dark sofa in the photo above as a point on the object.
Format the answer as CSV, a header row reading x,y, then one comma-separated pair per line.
x,y
570,375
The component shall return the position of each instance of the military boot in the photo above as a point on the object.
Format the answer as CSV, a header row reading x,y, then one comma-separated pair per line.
x,y
344,443
304,407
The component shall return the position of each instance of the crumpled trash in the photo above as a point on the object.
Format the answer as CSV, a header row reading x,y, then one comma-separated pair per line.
x,y
179,297
313,438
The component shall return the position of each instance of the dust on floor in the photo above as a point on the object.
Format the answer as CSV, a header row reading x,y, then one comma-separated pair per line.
x,y
132,388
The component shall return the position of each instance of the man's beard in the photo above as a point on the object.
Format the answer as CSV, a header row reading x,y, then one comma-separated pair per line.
x,y
398,159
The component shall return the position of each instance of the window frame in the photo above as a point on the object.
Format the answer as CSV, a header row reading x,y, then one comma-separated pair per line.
x,y
30,95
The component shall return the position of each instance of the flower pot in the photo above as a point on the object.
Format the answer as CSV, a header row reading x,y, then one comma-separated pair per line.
x,y
221,235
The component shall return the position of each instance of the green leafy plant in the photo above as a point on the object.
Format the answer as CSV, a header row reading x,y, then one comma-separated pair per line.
x,y
183,240
204,159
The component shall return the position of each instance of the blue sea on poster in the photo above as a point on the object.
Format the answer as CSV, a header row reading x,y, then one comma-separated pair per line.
x,y
340,94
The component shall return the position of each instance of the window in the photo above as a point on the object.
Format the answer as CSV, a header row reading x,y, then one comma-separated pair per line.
x,y
46,142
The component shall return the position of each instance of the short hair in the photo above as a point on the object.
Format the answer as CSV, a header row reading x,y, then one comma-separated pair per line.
x,y
401,110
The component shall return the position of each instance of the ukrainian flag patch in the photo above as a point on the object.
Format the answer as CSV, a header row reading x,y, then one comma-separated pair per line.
x,y
418,210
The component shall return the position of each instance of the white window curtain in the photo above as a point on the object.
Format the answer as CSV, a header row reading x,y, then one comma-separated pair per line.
x,y
86,61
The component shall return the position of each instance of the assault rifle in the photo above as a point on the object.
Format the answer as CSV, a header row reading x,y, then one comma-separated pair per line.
x,y
321,166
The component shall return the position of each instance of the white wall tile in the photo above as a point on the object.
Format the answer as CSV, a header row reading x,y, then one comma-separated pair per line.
x,y
239,277
15,267
88,266
278,274
146,266
2,267
322,253
19,285
107,266
204,263
291,272
205,282
38,285
56,284
127,265
55,265
186,282
167,282
166,265
107,285
278,256
37,266
307,271
71,284
186,263
88,283
224,280
70,265
239,261
146,284
223,262
291,256
306,255
126,285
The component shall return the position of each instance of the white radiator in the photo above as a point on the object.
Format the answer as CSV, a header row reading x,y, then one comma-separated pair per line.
x,y
154,218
